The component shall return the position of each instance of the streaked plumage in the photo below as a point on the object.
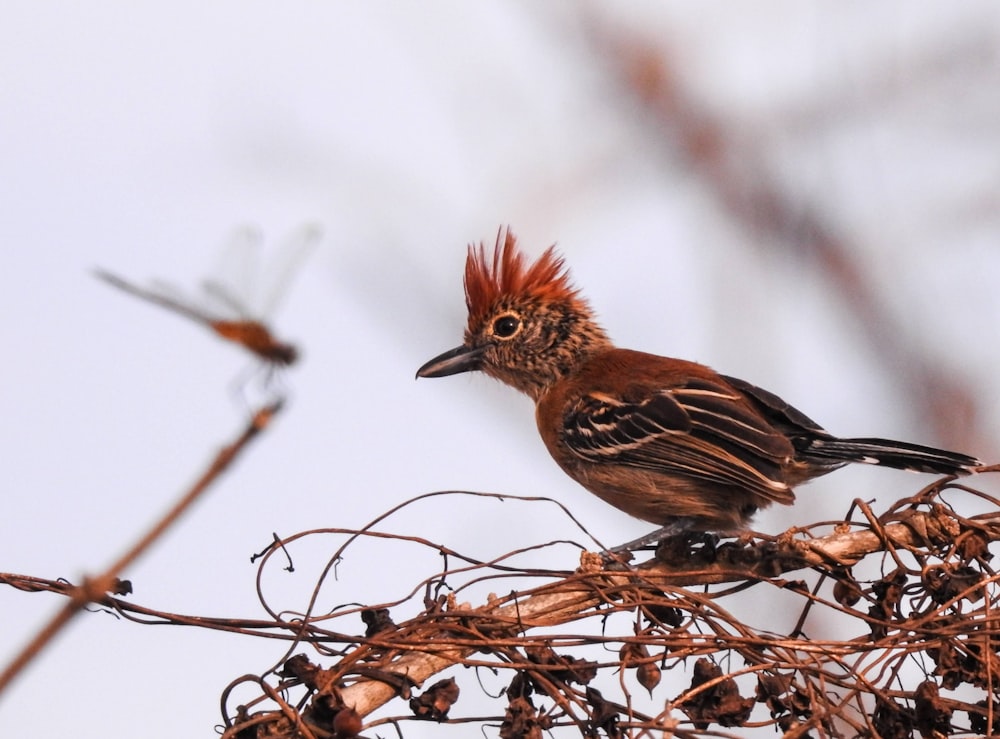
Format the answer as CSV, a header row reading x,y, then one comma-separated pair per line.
x,y
666,440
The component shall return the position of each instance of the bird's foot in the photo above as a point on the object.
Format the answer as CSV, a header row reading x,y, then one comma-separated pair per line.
x,y
674,528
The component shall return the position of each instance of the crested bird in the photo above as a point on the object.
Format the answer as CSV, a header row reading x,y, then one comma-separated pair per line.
x,y
666,440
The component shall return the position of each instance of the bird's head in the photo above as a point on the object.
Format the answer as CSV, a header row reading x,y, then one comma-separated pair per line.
x,y
528,326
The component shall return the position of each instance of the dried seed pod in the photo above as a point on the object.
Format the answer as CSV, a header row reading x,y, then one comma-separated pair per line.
x,y
648,675
846,590
632,653
436,701
347,723
377,620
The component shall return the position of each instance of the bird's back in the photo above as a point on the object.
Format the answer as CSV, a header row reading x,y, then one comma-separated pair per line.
x,y
665,438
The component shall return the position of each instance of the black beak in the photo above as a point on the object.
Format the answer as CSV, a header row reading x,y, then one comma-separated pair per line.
x,y
452,362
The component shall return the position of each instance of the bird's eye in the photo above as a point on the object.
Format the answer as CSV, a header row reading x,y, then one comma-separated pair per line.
x,y
506,326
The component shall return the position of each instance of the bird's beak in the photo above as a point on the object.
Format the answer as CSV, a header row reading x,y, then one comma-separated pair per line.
x,y
452,362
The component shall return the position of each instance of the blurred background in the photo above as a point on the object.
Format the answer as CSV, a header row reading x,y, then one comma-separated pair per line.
x,y
805,195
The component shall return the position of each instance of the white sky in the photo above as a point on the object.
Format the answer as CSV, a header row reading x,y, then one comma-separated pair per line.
x,y
139,137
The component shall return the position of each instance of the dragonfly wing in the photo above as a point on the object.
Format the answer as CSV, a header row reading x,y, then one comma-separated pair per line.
x,y
225,300
289,258
233,285
160,293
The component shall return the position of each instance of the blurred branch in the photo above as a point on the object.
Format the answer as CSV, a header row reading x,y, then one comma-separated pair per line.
x,y
96,589
720,157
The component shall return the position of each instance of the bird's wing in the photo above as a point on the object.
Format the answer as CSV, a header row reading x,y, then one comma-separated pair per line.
x,y
701,429
787,418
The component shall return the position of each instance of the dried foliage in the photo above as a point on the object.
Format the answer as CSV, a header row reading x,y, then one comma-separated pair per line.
x,y
892,633
657,649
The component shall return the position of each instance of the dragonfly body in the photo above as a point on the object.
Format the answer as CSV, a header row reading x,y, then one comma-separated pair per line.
x,y
257,338
252,334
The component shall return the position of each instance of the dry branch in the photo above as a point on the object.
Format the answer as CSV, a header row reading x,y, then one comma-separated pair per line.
x,y
96,589
573,599
577,647
918,611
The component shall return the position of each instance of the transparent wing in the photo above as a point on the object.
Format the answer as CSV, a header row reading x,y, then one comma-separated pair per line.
x,y
224,300
285,264
232,289
161,293
244,286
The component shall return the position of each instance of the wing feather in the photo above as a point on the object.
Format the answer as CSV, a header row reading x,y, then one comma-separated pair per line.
x,y
701,429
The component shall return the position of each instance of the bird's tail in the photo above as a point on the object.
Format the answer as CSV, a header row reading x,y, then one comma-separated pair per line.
x,y
897,454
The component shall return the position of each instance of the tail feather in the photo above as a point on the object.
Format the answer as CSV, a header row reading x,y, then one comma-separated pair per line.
x,y
896,454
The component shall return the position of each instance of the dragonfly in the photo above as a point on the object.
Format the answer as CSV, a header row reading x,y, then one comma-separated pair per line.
x,y
223,309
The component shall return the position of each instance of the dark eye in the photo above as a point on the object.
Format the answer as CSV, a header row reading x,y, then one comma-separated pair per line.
x,y
506,326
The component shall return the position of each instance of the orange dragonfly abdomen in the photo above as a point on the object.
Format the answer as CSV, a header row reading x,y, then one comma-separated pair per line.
x,y
257,338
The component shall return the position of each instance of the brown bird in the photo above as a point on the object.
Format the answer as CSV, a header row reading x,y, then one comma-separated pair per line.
x,y
665,440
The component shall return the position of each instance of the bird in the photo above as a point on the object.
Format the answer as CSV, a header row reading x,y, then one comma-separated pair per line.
x,y
669,441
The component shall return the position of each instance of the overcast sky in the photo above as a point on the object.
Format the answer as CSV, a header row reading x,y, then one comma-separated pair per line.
x,y
140,138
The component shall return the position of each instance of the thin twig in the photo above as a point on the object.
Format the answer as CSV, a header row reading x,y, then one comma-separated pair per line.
x,y
95,589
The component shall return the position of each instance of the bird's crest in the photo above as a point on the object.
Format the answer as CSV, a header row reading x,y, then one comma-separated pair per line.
x,y
506,274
